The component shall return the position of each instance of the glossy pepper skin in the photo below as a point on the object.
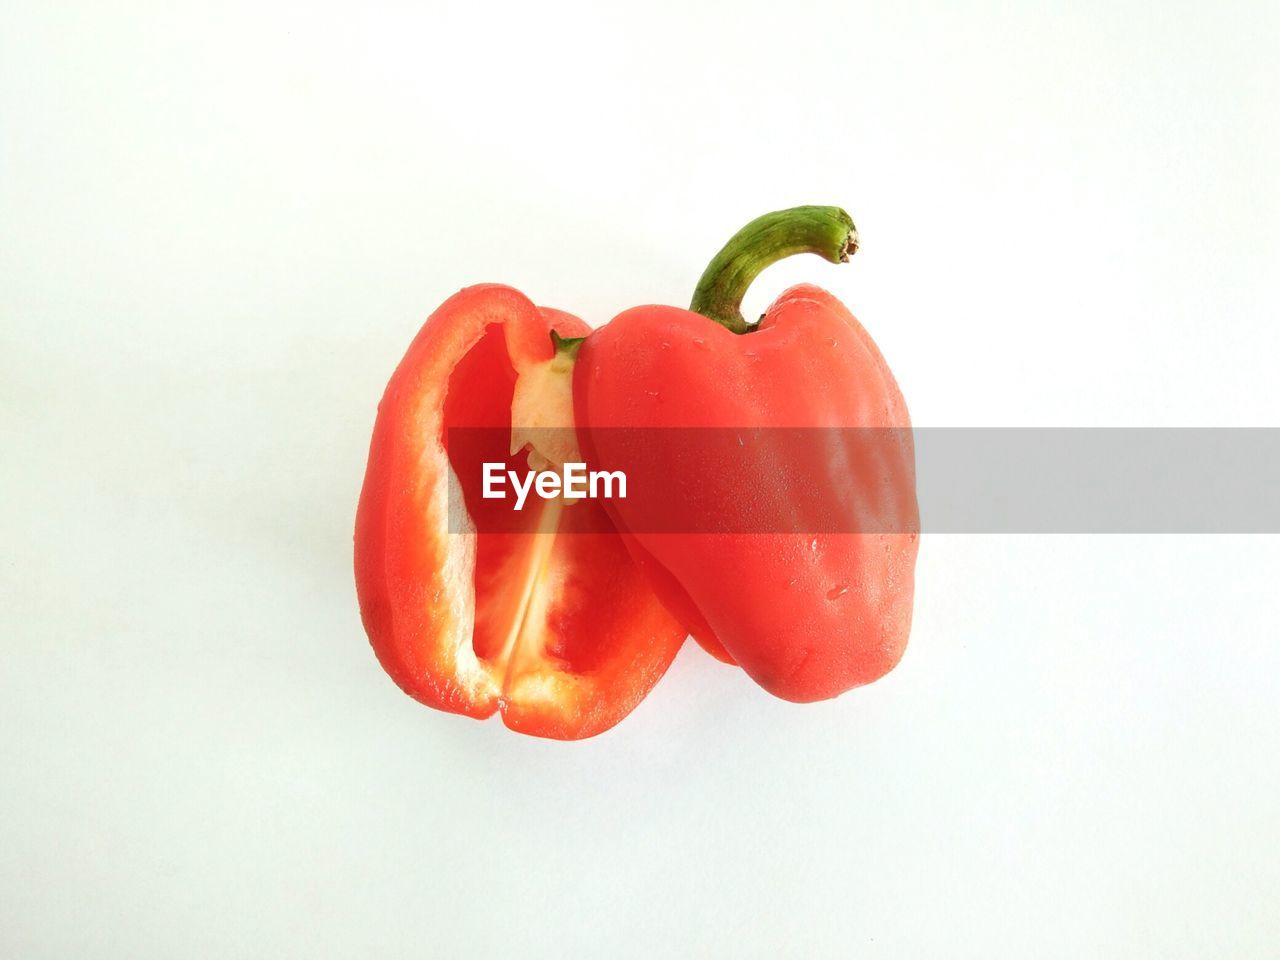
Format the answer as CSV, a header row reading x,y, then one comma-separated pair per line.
x,y
808,615
540,616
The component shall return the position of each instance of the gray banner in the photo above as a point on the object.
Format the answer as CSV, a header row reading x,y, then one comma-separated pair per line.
x,y
967,480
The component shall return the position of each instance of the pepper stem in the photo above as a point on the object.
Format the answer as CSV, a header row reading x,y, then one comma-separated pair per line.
x,y
566,347
827,231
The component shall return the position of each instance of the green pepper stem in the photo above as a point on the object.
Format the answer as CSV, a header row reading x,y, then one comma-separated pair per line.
x,y
827,231
566,348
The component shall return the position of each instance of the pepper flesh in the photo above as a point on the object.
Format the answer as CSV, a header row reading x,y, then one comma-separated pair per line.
x,y
540,616
807,614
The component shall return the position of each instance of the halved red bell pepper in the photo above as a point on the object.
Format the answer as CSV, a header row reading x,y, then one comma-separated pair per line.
x,y
540,615
812,592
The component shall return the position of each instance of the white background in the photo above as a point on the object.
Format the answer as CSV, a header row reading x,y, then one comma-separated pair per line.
x,y
219,228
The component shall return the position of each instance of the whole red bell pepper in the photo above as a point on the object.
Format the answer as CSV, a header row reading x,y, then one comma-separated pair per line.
x,y
812,595
539,615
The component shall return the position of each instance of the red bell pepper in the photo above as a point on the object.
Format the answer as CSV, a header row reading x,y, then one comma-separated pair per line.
x,y
539,615
807,614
